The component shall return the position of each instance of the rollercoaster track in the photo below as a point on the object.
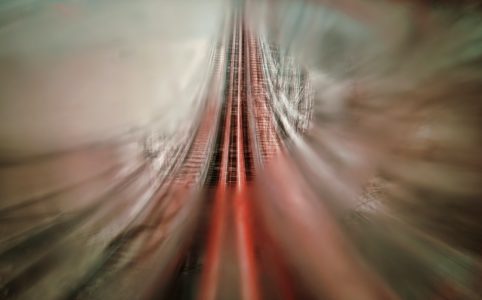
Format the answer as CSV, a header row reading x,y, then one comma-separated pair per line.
x,y
235,170
247,138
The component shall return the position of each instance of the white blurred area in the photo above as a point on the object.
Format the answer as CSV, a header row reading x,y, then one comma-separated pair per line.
x,y
78,72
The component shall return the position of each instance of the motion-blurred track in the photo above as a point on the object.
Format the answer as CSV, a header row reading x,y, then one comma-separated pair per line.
x,y
263,192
